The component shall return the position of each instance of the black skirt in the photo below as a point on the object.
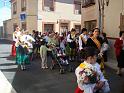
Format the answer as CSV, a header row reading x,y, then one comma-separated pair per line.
x,y
120,59
72,45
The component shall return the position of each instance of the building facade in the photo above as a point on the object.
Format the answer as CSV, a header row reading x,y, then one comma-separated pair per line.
x,y
46,15
90,14
112,21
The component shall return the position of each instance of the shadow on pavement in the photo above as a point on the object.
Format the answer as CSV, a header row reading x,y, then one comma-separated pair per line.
x,y
9,70
9,58
7,64
37,80
4,41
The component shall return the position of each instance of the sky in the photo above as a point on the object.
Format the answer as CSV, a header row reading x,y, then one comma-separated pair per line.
x,y
5,11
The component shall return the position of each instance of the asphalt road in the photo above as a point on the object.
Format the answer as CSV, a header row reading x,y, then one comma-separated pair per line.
x,y
36,80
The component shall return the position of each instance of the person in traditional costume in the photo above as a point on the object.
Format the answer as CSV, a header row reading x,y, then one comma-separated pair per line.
x,y
51,45
71,40
96,41
23,53
43,55
82,41
16,35
119,51
90,79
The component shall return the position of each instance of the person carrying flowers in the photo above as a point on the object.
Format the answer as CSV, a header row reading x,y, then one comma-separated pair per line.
x,y
90,79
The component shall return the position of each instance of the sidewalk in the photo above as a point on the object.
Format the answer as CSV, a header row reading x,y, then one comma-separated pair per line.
x,y
112,63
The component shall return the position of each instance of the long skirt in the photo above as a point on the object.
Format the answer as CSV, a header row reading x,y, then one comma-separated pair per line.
x,y
78,90
21,58
120,59
13,51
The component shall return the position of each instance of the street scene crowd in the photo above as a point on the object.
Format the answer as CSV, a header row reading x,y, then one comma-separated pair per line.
x,y
90,49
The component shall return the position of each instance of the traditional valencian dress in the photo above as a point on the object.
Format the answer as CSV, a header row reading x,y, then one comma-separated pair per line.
x,y
24,51
89,88
96,43
16,35
71,39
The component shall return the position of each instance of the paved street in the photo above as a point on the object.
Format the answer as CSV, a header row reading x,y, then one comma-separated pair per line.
x,y
35,80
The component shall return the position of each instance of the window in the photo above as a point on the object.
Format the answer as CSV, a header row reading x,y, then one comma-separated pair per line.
x,y
24,26
48,5
48,27
77,7
14,7
64,27
78,28
87,3
23,5
90,25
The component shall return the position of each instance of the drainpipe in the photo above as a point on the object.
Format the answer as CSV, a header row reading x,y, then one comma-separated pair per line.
x,y
99,5
101,14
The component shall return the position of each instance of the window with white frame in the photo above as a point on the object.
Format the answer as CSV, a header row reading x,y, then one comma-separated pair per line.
x,y
23,5
78,28
48,5
77,4
14,7
48,27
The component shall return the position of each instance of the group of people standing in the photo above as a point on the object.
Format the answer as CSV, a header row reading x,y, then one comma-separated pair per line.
x,y
89,48
22,47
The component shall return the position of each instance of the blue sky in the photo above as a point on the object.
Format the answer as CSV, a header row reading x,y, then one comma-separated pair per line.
x,y
4,10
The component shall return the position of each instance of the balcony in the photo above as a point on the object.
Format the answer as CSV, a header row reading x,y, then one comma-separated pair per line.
x,y
87,3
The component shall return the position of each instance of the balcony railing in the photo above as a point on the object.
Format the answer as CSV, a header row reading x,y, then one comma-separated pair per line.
x,y
87,3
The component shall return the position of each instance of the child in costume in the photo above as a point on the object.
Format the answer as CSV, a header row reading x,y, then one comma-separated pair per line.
x,y
43,54
90,79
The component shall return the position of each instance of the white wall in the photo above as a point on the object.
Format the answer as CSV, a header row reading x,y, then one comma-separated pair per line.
x,y
89,13
112,18
64,9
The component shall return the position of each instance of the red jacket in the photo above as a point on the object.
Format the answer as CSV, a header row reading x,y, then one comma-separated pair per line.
x,y
118,46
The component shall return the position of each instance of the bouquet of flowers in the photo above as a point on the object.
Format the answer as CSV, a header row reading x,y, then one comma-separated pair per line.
x,y
88,76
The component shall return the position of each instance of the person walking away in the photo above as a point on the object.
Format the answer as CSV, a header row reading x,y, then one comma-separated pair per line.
x,y
119,51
